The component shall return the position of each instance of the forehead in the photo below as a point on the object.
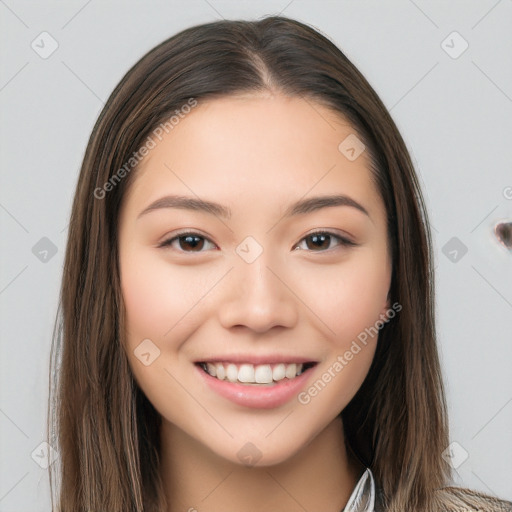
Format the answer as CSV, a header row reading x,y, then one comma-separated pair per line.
x,y
256,149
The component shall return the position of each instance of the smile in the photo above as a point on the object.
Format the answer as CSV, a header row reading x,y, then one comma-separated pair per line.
x,y
254,374
264,385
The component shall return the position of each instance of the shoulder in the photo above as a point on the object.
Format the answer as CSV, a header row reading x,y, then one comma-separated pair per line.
x,y
461,499
457,499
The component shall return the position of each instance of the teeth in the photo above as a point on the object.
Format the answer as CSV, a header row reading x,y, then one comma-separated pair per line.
x,y
291,371
232,373
279,372
250,374
212,370
220,371
246,373
263,374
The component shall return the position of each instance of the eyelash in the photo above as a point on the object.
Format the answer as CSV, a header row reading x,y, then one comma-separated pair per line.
x,y
343,242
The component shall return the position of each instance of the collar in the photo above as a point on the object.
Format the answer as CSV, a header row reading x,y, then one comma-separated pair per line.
x,y
362,498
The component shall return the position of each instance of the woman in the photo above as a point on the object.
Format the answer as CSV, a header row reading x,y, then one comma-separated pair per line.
x,y
247,299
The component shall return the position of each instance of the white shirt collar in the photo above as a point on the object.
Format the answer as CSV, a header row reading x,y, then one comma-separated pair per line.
x,y
362,498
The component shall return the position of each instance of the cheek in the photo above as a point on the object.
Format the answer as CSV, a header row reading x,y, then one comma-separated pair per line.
x,y
158,301
348,298
158,297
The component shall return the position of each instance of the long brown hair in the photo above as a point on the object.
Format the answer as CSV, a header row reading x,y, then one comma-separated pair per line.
x,y
102,425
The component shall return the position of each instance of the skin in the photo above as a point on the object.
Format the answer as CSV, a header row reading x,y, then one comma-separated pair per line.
x,y
255,154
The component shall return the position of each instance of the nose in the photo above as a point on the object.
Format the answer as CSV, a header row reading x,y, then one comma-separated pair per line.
x,y
257,296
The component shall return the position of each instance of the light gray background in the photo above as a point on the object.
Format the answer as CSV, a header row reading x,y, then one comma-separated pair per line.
x,y
454,113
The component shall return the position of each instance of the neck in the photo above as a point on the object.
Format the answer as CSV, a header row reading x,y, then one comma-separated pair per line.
x,y
321,476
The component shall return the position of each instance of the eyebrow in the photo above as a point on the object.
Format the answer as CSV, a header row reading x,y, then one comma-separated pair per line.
x,y
299,208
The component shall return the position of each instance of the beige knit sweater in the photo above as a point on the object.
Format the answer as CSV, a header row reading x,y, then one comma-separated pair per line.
x,y
458,499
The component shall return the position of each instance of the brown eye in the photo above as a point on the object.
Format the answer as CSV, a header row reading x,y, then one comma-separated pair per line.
x,y
187,242
320,241
193,242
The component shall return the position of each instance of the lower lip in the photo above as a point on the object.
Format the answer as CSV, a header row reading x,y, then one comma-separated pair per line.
x,y
257,396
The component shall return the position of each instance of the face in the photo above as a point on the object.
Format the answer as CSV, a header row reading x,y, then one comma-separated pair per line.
x,y
246,290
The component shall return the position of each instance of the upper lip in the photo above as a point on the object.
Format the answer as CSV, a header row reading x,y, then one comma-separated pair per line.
x,y
255,360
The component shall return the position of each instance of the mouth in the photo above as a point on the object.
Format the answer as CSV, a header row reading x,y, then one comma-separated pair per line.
x,y
254,375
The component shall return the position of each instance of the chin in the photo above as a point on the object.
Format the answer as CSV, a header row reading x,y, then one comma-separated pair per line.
x,y
260,450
